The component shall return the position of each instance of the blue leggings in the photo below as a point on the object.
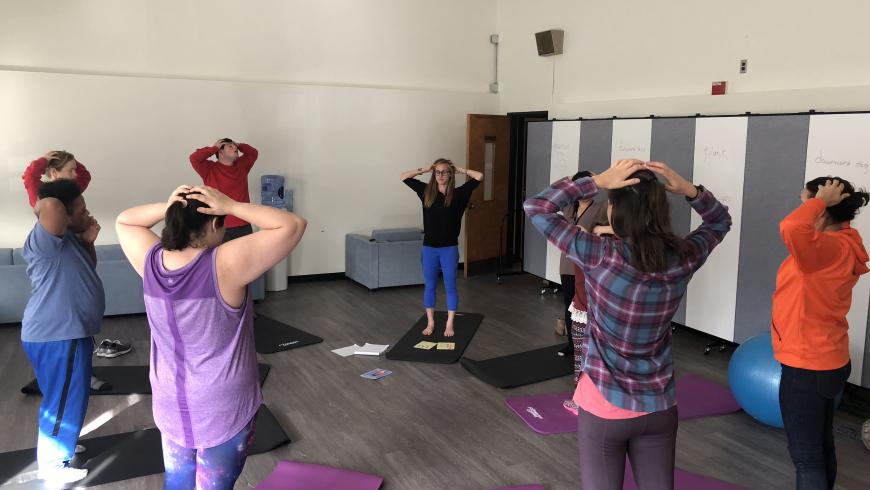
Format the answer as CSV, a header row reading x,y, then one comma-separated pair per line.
x,y
216,467
63,371
445,259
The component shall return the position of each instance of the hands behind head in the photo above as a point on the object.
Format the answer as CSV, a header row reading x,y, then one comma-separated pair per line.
x,y
832,192
178,195
50,155
618,175
218,203
674,182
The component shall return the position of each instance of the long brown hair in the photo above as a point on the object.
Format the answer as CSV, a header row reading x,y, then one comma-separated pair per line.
x,y
432,189
641,217
58,161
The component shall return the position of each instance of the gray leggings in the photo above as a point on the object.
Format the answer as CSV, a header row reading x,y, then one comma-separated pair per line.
x,y
649,441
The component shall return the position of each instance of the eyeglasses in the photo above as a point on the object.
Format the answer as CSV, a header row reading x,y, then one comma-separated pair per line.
x,y
445,173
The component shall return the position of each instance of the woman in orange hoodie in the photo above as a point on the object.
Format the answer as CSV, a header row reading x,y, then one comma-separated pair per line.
x,y
809,328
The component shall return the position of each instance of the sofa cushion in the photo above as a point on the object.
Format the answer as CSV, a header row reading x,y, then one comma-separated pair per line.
x,y
397,235
5,256
110,252
104,252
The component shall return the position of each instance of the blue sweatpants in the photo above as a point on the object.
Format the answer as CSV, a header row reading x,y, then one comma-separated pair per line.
x,y
63,371
445,259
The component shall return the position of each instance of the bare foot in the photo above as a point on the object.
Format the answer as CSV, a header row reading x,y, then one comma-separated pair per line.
x,y
429,329
448,332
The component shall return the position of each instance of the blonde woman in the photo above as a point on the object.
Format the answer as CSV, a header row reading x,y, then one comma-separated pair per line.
x,y
443,207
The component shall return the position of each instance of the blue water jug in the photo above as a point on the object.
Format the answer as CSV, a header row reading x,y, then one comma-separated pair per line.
x,y
272,191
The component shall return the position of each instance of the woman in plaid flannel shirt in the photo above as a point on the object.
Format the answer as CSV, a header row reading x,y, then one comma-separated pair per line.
x,y
635,282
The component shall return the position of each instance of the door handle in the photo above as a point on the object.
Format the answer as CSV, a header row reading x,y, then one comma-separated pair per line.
x,y
471,206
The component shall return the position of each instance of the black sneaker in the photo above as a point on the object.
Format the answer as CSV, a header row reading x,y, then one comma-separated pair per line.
x,y
568,350
113,348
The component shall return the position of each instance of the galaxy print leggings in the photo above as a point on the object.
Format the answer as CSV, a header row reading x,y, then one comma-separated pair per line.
x,y
214,468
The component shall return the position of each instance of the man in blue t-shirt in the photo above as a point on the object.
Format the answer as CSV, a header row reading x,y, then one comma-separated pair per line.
x,y
63,314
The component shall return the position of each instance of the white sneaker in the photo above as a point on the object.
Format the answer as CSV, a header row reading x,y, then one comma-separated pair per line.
x,y
62,474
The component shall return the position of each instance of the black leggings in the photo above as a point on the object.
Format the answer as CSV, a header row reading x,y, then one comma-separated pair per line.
x,y
649,441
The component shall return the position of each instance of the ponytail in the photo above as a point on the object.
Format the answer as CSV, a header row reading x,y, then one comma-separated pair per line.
x,y
184,224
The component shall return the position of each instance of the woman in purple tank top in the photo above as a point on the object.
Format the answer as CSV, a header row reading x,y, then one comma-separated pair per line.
x,y
205,390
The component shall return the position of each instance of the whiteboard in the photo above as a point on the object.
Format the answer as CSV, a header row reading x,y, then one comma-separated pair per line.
x,y
631,139
720,158
838,145
564,162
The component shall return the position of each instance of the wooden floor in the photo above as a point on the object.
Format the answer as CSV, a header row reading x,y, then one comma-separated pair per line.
x,y
427,426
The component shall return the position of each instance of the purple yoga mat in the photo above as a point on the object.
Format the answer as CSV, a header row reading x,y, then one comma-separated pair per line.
x,y
699,397
684,480
523,487
696,397
544,413
290,475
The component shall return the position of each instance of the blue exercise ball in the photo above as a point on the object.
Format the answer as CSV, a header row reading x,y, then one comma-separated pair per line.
x,y
754,375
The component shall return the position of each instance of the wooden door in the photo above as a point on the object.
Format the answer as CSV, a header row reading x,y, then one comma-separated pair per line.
x,y
488,147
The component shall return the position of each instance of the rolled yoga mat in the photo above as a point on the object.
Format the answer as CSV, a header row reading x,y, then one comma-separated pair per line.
x,y
465,325
128,455
292,475
522,368
696,397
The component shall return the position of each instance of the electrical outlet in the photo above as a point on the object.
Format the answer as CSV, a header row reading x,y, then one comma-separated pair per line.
x,y
493,87
743,64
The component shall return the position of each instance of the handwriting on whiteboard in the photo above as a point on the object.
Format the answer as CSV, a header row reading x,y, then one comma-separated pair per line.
x,y
624,147
833,162
715,154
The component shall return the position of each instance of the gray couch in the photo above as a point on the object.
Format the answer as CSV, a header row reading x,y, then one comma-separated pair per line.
x,y
389,257
122,285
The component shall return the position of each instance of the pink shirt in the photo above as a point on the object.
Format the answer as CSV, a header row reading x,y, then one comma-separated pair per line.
x,y
587,397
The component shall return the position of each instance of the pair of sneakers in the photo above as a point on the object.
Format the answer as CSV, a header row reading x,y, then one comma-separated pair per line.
x,y
112,348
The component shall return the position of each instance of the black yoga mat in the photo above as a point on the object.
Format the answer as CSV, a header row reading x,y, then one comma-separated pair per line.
x,y
464,325
125,380
522,368
272,336
128,455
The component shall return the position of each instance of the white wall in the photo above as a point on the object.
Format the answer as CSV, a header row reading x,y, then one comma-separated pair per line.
x,y
132,88
641,57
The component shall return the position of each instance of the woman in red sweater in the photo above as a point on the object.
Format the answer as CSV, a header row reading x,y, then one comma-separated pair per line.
x,y
54,165
809,327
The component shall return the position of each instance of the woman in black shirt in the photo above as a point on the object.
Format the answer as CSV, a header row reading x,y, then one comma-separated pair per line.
x,y
443,207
